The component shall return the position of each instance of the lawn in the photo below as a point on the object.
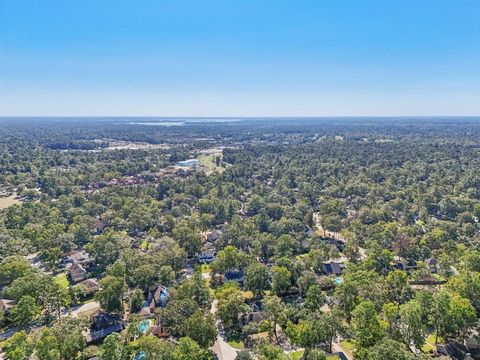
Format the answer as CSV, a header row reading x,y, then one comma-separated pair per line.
x,y
297,355
145,245
430,343
236,344
248,295
209,162
348,347
205,268
62,280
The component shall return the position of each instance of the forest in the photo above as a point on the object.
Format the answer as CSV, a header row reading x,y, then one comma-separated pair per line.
x,y
268,239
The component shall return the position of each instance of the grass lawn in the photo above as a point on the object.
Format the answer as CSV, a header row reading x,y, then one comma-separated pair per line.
x,y
209,162
144,245
297,355
62,280
247,295
205,268
236,344
348,347
430,343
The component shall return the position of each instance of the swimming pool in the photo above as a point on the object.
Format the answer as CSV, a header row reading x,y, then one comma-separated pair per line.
x,y
140,356
143,326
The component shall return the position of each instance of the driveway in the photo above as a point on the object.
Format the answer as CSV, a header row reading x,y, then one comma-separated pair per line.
x,y
223,350
86,309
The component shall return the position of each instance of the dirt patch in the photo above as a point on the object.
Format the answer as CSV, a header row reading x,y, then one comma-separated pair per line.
x,y
5,202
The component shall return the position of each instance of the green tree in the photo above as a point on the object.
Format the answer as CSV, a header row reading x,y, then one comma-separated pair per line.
x,y
274,310
187,349
229,259
107,248
201,328
412,328
113,348
18,347
285,246
196,289
366,325
154,348
244,355
257,278
315,298
398,288
452,315
110,295
281,279
388,349
69,335
14,267
137,300
230,309
315,354
462,316
270,352
26,310
46,347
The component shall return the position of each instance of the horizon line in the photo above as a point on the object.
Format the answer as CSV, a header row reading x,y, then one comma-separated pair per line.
x,y
240,116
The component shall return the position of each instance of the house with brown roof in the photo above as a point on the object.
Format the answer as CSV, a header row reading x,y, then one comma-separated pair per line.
x,y
158,331
90,285
214,235
77,273
158,296
6,305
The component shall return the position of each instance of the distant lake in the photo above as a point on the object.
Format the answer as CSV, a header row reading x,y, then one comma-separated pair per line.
x,y
159,123
183,122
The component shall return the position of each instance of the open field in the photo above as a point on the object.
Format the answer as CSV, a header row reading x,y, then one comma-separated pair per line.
x,y
209,162
5,202
62,280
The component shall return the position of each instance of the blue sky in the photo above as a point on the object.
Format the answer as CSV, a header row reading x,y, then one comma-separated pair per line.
x,y
239,57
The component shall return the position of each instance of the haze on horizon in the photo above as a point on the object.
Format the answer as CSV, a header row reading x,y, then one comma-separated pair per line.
x,y
240,58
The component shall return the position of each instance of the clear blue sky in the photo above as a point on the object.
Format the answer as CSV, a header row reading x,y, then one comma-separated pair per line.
x,y
239,57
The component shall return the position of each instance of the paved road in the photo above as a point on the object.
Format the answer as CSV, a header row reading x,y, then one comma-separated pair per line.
x,y
4,335
87,308
338,348
223,350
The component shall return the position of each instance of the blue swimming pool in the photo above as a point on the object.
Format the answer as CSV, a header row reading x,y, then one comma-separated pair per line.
x,y
143,326
140,356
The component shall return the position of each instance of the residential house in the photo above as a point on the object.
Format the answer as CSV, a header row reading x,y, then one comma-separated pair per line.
x,y
144,312
158,329
90,285
77,273
212,236
158,297
333,268
6,305
206,257
98,227
80,257
407,265
236,276
455,350
104,325
433,265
